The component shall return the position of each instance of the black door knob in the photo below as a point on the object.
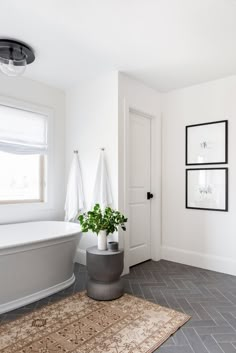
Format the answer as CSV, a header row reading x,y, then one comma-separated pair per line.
x,y
149,195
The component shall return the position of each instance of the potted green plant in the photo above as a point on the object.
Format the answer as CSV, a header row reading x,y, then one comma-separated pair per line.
x,y
102,223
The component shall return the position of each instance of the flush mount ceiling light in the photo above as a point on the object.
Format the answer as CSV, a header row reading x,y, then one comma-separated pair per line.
x,y
14,56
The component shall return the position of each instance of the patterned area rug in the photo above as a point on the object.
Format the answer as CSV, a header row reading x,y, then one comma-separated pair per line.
x,y
79,324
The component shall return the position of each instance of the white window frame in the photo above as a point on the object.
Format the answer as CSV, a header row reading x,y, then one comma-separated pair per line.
x,y
45,203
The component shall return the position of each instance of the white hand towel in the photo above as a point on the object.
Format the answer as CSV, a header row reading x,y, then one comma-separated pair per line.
x,y
102,189
75,195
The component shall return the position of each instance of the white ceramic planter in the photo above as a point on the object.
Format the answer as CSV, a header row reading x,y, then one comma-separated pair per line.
x,y
102,240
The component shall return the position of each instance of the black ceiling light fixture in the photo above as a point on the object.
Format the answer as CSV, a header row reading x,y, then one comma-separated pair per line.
x,y
14,56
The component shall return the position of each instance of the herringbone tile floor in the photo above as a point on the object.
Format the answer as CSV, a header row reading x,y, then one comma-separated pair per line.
x,y
209,297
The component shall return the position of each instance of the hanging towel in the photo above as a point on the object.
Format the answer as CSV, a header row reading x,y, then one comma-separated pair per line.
x,y
75,196
102,189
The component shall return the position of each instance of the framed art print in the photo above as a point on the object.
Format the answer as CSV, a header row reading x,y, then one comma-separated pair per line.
x,y
207,143
207,189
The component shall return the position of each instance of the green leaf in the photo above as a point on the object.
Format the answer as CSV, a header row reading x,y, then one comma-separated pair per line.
x,y
96,220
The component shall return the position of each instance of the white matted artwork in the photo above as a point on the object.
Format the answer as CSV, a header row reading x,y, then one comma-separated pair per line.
x,y
207,143
207,189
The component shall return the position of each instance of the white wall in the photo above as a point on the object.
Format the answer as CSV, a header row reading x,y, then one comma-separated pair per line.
x,y
32,92
96,113
92,123
135,95
201,238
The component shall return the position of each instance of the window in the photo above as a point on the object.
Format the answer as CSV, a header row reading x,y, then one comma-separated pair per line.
x,y
23,155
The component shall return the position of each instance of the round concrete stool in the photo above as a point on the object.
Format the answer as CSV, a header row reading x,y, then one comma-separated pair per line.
x,y
104,270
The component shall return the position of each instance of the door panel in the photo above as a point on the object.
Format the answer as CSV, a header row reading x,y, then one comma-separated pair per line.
x,y
139,185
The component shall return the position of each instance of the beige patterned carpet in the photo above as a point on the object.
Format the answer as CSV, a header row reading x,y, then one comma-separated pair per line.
x,y
79,324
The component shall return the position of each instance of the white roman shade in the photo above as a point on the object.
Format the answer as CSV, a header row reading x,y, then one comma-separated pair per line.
x,y
22,131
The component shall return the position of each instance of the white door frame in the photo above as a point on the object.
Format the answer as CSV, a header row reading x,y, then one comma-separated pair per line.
x,y
155,236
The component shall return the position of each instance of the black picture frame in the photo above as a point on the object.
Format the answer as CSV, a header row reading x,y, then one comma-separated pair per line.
x,y
204,208
225,122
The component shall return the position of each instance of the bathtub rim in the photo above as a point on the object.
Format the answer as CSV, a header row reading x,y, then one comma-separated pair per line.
x,y
36,245
28,245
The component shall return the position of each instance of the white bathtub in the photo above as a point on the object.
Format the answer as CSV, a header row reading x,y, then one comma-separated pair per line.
x,y
36,260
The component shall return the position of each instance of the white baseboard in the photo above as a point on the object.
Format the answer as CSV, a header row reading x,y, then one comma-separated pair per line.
x,y
191,258
36,296
80,256
206,261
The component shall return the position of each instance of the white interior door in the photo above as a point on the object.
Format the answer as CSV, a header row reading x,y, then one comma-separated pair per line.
x,y
139,183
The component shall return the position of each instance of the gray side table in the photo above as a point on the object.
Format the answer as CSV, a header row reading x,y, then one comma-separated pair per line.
x,y
104,270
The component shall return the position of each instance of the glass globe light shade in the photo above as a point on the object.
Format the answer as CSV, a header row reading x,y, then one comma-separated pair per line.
x,y
13,67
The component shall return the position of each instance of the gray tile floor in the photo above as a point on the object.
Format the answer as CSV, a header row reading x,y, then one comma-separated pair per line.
x,y
209,297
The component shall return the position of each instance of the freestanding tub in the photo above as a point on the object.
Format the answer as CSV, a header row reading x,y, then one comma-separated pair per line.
x,y
36,260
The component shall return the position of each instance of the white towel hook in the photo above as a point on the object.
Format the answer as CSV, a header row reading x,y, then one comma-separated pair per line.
x,y
102,149
76,151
